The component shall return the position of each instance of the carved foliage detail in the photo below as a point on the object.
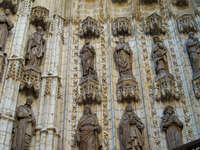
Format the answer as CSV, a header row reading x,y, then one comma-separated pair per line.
x,y
154,25
15,70
39,17
89,28
186,24
172,126
121,27
131,126
127,89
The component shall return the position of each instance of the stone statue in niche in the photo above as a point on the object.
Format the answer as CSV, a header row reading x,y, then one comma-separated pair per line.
x,y
121,27
87,131
159,56
154,25
88,56
5,26
186,24
35,49
131,130
123,59
193,50
89,28
172,126
24,126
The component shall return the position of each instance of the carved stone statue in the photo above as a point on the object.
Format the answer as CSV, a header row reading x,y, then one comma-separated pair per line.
x,y
87,131
5,26
24,127
193,50
172,126
36,49
131,129
159,56
87,55
123,59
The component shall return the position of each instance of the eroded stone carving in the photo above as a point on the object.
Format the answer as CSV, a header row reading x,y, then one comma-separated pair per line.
x,y
127,89
149,1
35,51
193,51
180,3
172,126
154,25
87,131
165,85
24,127
131,130
186,24
89,84
9,4
89,28
121,27
5,26
15,69
39,17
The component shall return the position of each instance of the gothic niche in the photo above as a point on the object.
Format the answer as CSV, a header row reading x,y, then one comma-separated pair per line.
x,y
121,27
39,17
36,48
180,3
87,131
154,25
149,1
9,4
89,84
127,88
131,130
89,28
24,126
193,51
165,85
186,24
172,127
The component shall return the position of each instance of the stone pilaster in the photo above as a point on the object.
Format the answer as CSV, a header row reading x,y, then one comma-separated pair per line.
x,y
12,82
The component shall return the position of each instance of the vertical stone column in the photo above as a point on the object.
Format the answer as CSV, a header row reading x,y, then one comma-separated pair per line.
x,y
47,130
11,87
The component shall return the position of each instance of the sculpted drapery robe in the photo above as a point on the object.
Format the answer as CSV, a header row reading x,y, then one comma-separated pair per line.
x,y
87,133
24,128
5,26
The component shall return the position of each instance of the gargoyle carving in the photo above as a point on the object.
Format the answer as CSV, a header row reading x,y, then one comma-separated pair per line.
x,y
186,24
154,25
89,28
121,27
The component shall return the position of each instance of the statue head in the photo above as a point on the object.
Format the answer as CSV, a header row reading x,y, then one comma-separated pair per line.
x,y
169,110
129,108
39,29
7,12
29,101
191,35
87,110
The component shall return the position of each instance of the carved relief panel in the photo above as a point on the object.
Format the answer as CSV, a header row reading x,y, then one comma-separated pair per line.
x,y
131,130
165,84
186,24
121,27
172,127
127,88
89,28
154,25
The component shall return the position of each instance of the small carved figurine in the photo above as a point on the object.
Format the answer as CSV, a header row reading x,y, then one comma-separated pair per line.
x,y
88,55
131,129
5,26
36,48
123,59
159,56
24,127
172,126
87,131
193,50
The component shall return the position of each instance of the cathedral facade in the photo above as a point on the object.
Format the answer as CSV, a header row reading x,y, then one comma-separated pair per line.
x,y
99,74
